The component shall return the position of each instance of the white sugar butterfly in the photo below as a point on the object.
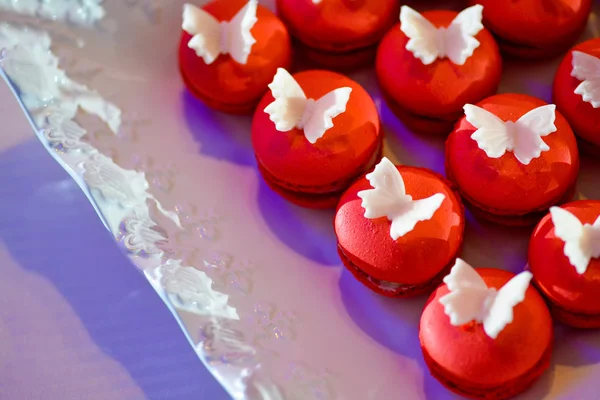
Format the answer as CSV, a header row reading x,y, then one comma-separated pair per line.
x,y
586,68
523,138
456,42
582,241
291,109
470,299
210,38
388,198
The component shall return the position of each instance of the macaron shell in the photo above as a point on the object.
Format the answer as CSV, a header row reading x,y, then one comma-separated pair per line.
x,y
418,256
468,355
307,198
339,25
441,88
307,57
341,154
420,123
528,21
582,116
553,273
227,82
503,185
404,291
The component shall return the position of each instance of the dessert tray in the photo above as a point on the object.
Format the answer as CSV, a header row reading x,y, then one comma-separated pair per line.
x,y
254,282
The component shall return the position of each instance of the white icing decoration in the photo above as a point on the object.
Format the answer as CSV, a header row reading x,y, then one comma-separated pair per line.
x,y
221,343
116,184
141,234
211,37
191,290
523,138
388,199
582,241
43,86
64,134
80,12
470,299
291,109
586,68
456,42
316,1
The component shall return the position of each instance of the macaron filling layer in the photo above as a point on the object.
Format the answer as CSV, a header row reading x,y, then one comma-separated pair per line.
x,y
332,188
393,289
420,122
572,317
531,51
504,391
237,108
507,217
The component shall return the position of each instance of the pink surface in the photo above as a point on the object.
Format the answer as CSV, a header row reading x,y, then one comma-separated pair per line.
x,y
315,332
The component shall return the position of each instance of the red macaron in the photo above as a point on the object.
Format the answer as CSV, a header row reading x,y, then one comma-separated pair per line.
x,y
426,74
534,29
235,64
577,93
512,157
399,229
338,34
486,333
561,258
310,151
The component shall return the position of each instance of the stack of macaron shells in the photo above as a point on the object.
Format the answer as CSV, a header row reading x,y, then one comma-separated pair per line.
x,y
318,143
338,34
399,229
426,83
564,257
524,152
301,153
577,93
522,35
254,41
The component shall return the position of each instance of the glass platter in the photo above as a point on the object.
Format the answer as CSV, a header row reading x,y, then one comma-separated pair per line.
x,y
254,282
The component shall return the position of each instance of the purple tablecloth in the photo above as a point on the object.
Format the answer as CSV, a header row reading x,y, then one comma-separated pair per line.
x,y
77,321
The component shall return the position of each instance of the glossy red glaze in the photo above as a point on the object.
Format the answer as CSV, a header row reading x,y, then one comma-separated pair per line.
x,y
583,118
438,90
535,28
339,26
467,360
554,275
503,186
225,84
415,258
351,146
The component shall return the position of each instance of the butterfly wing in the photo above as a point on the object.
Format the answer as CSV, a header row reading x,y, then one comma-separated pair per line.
x,y
388,190
289,104
240,37
491,134
463,275
464,305
205,31
421,33
586,68
460,35
569,229
531,127
596,238
500,312
468,293
414,212
324,111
